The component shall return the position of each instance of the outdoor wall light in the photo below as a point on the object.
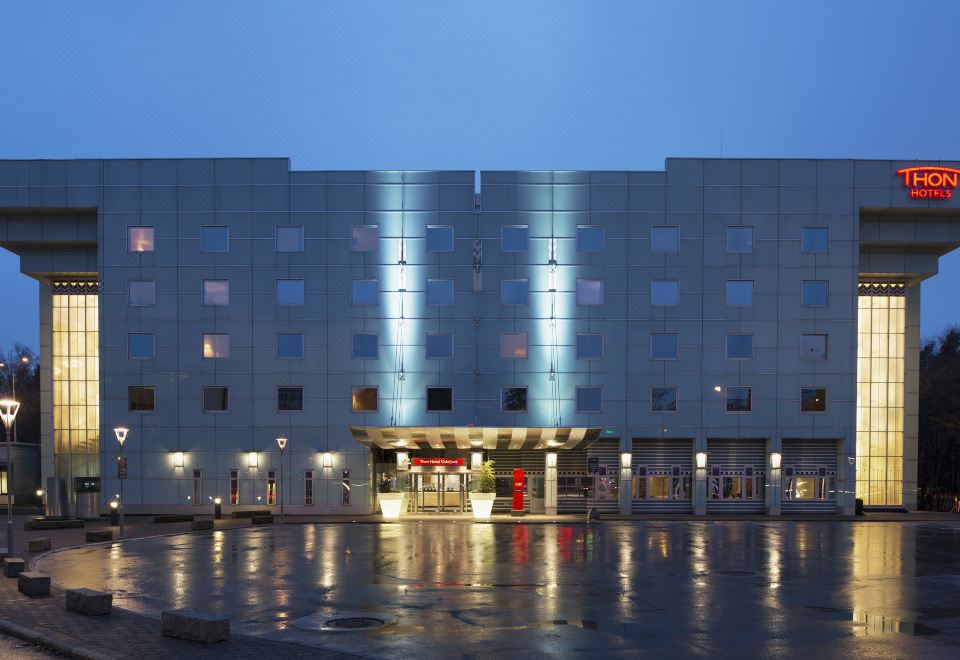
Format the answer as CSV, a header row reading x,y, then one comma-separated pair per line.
x,y
328,458
717,388
626,458
39,492
114,504
551,459
701,459
217,501
775,460
252,459
178,459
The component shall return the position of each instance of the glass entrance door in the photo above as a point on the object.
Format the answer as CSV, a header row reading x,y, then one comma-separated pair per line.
x,y
439,493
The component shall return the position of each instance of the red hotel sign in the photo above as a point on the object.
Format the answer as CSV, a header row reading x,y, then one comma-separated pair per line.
x,y
439,462
930,182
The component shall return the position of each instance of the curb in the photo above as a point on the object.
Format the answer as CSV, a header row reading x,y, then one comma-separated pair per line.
x,y
45,641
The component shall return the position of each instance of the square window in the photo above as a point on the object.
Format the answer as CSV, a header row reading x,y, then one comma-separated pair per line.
x,y
513,399
514,292
140,346
216,346
289,345
813,347
140,239
439,399
440,292
589,346
663,399
216,293
814,293
289,239
366,346
363,399
739,293
289,292
216,399
589,399
663,346
590,238
214,239
589,292
439,238
289,398
739,239
813,399
514,238
739,347
140,399
664,292
513,346
664,239
739,399
141,293
364,292
439,345
815,239
364,238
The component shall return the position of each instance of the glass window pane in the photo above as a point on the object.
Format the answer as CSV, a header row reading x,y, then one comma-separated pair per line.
x,y
664,292
439,399
813,347
289,398
815,239
590,238
664,239
439,345
215,239
216,399
289,239
514,238
289,292
366,345
813,399
589,292
589,346
364,292
513,399
439,238
663,346
141,293
589,399
140,398
513,346
363,238
140,345
814,293
140,239
739,399
739,293
739,239
216,292
514,292
439,292
289,345
663,399
364,399
739,347
216,346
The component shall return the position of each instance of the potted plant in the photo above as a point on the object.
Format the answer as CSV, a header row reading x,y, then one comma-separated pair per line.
x,y
391,500
484,492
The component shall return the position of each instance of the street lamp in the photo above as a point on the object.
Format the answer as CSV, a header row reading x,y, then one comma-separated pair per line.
x,y
13,392
8,412
281,442
121,433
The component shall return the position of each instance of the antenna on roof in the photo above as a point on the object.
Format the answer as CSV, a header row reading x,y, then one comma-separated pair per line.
x,y
721,142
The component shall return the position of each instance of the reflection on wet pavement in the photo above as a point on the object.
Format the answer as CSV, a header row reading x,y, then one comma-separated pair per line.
x,y
689,588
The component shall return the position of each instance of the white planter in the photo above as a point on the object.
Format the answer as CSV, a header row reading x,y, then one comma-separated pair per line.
x,y
391,504
482,504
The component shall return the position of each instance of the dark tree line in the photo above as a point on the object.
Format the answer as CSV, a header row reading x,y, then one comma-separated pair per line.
x,y
938,470
28,391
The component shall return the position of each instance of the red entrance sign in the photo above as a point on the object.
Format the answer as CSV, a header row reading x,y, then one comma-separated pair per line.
x,y
930,182
518,490
439,462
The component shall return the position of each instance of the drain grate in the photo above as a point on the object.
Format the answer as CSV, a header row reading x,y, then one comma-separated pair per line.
x,y
354,622
344,621
735,573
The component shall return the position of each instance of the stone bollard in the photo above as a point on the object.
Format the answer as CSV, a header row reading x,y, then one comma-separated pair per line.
x,y
200,525
38,545
89,602
33,584
12,566
194,626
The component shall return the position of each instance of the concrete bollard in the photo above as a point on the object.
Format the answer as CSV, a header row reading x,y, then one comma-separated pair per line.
x,y
33,584
194,626
38,545
12,566
89,602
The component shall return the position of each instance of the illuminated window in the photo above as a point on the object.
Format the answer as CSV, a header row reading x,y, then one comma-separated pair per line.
x,y
216,399
3,479
364,399
514,238
664,292
815,239
439,238
141,293
813,347
513,399
813,399
140,239
215,239
739,239
513,346
739,293
514,292
289,399
440,292
364,292
439,345
366,345
590,238
663,399
439,399
664,239
289,239
590,292
364,238
216,293
739,399
589,399
814,293
289,345
739,347
289,292
216,346
589,346
140,345
140,399
664,346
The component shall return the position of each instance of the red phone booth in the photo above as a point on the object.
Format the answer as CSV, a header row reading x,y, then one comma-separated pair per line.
x,y
517,509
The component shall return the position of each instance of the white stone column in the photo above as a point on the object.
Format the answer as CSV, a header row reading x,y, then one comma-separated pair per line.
x,y
699,477
774,480
626,483
550,483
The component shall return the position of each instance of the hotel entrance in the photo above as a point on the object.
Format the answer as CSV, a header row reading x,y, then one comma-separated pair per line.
x,y
439,493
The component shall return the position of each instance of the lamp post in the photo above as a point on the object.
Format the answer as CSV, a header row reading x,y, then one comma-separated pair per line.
x,y
282,443
8,412
13,393
121,433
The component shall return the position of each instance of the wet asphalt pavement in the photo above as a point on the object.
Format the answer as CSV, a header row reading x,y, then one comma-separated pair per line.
x,y
732,588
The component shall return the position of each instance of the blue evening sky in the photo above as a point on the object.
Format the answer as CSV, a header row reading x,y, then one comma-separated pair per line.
x,y
477,85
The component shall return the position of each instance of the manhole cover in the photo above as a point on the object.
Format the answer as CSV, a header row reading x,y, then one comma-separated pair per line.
x,y
344,621
734,573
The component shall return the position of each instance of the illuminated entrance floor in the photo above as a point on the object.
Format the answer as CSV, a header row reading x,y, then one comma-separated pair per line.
x,y
705,588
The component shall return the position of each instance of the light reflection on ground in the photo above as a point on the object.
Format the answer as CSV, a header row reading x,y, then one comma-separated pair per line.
x,y
687,588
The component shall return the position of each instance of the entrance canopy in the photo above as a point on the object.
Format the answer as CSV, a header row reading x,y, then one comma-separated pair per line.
x,y
472,437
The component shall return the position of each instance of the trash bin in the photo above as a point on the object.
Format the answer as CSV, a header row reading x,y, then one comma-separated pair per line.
x,y
859,509
88,497
56,498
